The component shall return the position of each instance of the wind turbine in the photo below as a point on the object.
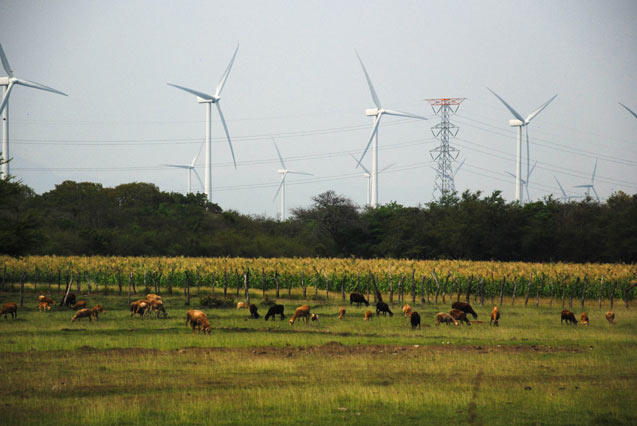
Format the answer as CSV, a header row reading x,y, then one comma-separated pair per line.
x,y
367,175
284,172
520,122
590,185
629,110
377,113
565,198
7,84
525,182
204,98
191,168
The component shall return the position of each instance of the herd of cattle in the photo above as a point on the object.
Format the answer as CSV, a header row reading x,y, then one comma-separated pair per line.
x,y
198,320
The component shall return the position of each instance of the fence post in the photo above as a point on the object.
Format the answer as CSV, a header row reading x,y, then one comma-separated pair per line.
x,y
469,282
246,285
433,274
515,287
481,290
528,292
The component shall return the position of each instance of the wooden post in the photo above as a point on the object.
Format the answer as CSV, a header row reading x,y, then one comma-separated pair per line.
x,y
469,282
401,285
225,283
612,295
515,287
130,282
537,300
36,279
276,281
22,279
628,289
433,274
584,291
492,289
68,289
563,293
375,288
213,277
343,287
504,280
528,292
458,286
446,287
481,289
246,284
88,282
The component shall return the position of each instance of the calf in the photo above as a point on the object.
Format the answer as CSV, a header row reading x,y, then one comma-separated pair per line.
x,y
415,320
459,315
315,318
569,317
341,312
302,311
80,305
464,307
610,316
384,308
242,305
95,310
83,313
43,298
198,320
275,310
368,315
407,311
9,308
495,316
446,318
584,318
358,299
44,306
253,312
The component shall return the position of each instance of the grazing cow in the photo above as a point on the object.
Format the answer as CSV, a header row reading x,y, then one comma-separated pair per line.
x,y
446,318
358,299
302,311
415,320
43,298
569,317
242,305
151,296
70,300
9,308
368,315
407,311
584,318
610,316
139,307
459,315
83,313
495,316
464,307
253,311
95,310
43,306
384,308
341,312
198,320
80,305
275,310
157,306
315,318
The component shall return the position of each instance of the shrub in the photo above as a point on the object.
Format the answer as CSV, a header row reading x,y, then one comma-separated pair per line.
x,y
213,301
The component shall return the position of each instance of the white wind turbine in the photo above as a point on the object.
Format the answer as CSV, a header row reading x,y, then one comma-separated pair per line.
x,y
377,113
7,84
520,122
629,110
284,172
525,182
367,175
590,185
565,198
191,169
204,98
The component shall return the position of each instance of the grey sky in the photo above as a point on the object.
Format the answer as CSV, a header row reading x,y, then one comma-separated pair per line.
x,y
296,77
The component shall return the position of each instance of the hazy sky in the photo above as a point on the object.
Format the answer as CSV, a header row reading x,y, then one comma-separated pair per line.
x,y
296,77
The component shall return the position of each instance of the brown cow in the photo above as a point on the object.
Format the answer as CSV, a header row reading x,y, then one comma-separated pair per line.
x,y
464,307
95,310
446,318
9,308
157,306
43,298
302,311
368,315
150,297
139,307
198,320
243,305
83,313
44,306
569,317
459,315
584,318
407,311
341,312
610,316
495,316
81,304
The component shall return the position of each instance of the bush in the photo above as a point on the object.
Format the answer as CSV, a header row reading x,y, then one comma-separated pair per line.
x,y
213,301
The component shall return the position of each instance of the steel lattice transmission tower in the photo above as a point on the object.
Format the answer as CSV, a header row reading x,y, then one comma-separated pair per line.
x,y
444,154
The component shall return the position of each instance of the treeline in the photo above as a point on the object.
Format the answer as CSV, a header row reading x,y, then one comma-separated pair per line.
x,y
137,219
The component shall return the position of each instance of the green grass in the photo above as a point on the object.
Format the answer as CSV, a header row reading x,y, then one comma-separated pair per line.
x,y
123,370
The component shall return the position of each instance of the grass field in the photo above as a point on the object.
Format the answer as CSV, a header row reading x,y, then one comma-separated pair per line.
x,y
123,370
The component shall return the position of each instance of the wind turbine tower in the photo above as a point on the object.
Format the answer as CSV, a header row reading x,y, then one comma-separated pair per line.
x,y
520,123
377,113
284,172
204,98
7,83
444,154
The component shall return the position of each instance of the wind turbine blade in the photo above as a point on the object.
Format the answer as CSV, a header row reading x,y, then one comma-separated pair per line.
x,y
596,195
280,186
404,114
5,62
223,121
627,109
300,173
39,86
374,130
364,168
278,153
5,100
202,95
594,171
198,178
179,166
582,186
560,185
532,168
532,115
513,176
194,160
224,77
369,83
509,107
526,188
387,167
459,167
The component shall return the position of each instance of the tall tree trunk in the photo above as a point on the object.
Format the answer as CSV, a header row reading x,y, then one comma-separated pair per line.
x,y
433,274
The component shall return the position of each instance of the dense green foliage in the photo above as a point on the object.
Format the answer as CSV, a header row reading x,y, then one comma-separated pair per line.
x,y
137,219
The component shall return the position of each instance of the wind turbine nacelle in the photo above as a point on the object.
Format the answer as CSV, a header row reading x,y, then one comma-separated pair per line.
x,y
281,171
515,123
4,81
371,112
